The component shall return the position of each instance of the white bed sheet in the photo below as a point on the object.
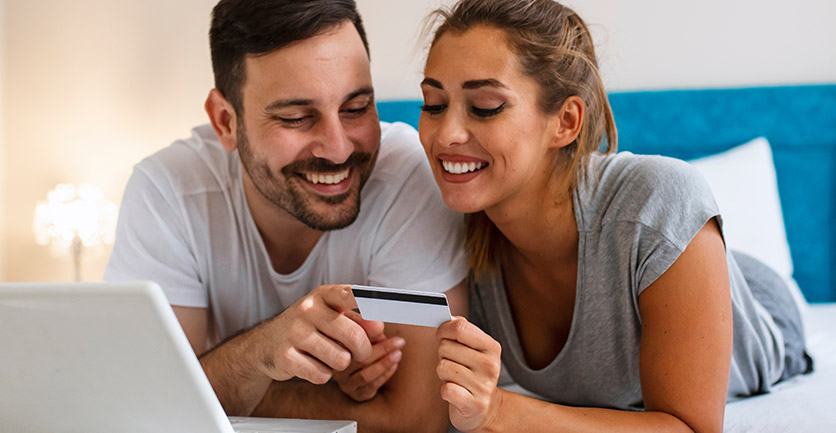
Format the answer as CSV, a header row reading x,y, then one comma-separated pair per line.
x,y
801,404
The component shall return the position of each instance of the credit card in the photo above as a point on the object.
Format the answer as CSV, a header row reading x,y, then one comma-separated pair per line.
x,y
406,307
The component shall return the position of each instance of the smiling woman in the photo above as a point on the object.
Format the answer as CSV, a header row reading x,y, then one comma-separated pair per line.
x,y
600,280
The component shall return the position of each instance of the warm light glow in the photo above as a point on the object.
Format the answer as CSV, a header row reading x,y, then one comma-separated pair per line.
x,y
71,212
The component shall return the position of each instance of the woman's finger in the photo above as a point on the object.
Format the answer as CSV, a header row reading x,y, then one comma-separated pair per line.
x,y
481,363
449,371
459,329
458,397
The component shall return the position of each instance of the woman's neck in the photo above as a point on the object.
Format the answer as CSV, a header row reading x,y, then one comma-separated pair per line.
x,y
539,226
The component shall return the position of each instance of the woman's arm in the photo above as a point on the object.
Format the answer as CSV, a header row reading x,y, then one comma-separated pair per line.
x,y
685,357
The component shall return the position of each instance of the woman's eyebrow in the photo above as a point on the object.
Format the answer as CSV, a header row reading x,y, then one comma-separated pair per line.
x,y
488,82
468,85
432,82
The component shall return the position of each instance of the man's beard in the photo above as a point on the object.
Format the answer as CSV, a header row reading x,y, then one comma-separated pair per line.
x,y
343,208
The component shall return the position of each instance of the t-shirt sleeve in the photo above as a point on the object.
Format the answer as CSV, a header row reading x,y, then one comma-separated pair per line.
x,y
152,239
669,203
420,242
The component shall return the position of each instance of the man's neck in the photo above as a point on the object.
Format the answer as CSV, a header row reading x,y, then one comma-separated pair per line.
x,y
288,241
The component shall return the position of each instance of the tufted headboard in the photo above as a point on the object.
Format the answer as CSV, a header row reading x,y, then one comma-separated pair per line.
x,y
798,121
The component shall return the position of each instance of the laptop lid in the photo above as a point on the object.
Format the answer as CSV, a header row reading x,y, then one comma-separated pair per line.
x,y
104,357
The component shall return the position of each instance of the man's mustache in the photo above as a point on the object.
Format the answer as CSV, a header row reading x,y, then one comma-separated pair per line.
x,y
323,165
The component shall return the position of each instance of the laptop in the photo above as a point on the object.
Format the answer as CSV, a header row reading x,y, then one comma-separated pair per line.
x,y
109,357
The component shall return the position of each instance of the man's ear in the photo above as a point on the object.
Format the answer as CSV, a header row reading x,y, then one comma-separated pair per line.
x,y
569,121
223,118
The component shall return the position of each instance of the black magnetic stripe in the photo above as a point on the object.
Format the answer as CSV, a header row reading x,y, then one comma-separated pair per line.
x,y
418,299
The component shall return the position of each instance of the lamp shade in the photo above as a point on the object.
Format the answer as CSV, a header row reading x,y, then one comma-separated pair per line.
x,y
74,214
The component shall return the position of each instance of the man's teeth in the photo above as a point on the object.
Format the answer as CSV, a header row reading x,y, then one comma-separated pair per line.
x,y
461,167
328,179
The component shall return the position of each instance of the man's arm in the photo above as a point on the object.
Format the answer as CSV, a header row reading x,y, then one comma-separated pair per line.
x,y
309,340
410,401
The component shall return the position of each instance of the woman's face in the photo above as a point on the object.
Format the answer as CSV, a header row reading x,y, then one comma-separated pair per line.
x,y
487,141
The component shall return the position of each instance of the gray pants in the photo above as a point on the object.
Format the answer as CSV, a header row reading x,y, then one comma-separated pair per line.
x,y
772,292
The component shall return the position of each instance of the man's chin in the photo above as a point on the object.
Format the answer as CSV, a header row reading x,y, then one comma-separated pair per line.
x,y
328,223
330,212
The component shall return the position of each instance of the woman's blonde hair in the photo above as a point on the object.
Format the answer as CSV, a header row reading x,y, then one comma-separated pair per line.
x,y
554,48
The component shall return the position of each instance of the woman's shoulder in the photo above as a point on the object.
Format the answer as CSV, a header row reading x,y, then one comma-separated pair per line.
x,y
648,189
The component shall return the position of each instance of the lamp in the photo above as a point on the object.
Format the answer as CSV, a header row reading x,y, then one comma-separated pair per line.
x,y
74,218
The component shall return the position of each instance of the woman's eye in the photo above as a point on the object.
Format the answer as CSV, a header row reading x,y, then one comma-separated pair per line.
x,y
487,112
433,109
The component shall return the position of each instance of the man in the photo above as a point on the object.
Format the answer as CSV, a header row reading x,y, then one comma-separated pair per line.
x,y
246,224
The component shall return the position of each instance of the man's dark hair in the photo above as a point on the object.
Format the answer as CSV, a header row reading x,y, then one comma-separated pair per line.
x,y
257,27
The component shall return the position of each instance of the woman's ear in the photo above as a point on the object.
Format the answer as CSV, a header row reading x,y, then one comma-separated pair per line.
x,y
223,118
569,121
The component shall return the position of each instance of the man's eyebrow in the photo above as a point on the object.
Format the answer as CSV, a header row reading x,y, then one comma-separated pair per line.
x,y
361,91
282,103
488,82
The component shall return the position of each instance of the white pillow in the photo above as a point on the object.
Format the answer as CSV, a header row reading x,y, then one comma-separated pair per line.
x,y
745,186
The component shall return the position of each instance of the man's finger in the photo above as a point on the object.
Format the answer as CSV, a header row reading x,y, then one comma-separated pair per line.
x,y
370,373
380,349
348,333
338,297
373,328
369,391
308,368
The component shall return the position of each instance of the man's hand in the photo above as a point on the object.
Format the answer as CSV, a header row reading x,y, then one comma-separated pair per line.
x,y
362,380
313,338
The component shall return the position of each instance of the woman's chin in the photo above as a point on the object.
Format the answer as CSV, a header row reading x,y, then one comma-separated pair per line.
x,y
461,205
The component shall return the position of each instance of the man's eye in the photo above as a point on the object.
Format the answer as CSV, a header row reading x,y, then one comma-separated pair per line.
x,y
433,109
357,111
487,112
291,120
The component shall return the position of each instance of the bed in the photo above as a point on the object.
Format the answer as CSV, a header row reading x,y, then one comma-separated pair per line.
x,y
769,154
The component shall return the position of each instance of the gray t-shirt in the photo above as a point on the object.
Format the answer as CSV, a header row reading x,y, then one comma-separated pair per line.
x,y
635,216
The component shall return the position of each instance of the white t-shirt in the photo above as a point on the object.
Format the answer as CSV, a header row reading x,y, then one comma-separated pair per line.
x,y
185,224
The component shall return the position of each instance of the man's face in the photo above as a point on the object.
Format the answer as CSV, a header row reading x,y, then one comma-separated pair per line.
x,y
309,133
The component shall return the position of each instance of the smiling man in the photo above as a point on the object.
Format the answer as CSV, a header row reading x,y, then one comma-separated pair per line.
x,y
252,225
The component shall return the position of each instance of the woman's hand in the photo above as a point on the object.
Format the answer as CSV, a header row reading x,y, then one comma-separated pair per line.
x,y
469,363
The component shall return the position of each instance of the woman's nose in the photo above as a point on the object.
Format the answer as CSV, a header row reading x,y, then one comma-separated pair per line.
x,y
452,129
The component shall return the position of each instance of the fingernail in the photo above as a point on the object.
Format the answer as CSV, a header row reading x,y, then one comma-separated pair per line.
x,y
399,342
396,356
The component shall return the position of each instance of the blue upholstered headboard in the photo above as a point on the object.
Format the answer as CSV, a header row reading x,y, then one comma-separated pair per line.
x,y
798,121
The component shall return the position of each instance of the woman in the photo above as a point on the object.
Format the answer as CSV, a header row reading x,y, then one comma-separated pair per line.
x,y
601,278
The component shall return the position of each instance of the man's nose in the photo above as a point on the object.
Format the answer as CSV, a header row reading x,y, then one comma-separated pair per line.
x,y
333,143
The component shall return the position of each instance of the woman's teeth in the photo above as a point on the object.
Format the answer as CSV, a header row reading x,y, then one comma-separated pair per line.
x,y
328,179
461,167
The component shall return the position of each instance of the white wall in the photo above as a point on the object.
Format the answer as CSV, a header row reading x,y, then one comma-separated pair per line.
x,y
2,139
92,86
96,85
650,44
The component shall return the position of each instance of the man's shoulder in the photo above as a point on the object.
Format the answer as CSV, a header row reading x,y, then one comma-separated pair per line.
x,y
194,163
400,152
